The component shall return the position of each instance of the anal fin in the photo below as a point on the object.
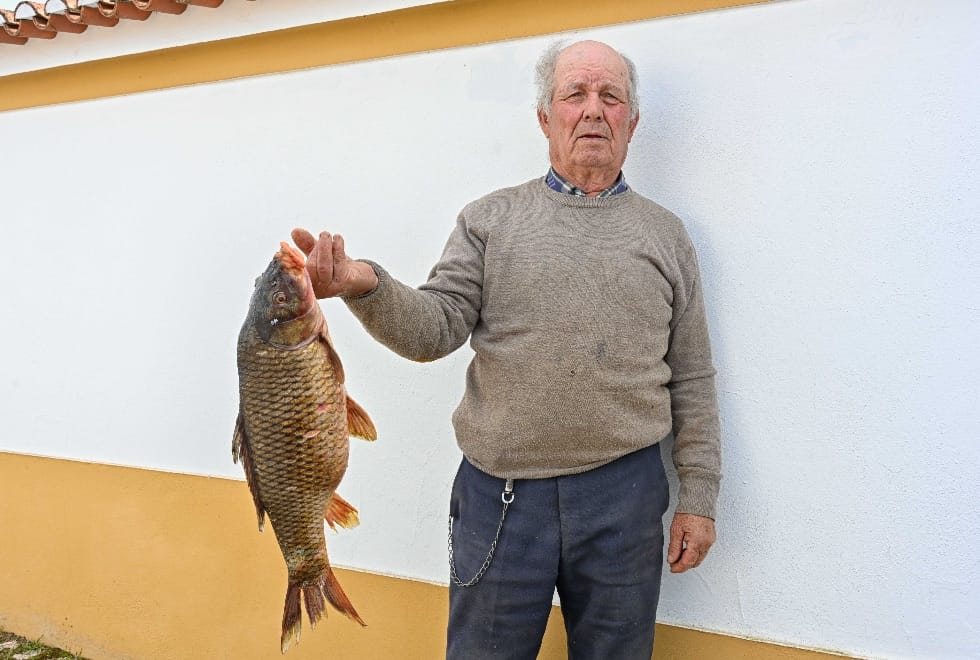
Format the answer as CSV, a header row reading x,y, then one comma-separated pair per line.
x,y
340,512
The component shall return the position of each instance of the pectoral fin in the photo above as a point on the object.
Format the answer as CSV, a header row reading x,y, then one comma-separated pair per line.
x,y
358,422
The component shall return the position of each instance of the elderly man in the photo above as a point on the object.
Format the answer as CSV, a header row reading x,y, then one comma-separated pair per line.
x,y
582,301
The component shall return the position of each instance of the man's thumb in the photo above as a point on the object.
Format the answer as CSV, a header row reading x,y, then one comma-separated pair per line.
x,y
676,545
304,240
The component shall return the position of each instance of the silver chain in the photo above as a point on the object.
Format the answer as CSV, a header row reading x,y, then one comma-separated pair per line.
x,y
506,497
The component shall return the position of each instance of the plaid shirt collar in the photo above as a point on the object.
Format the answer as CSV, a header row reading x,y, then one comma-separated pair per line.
x,y
557,183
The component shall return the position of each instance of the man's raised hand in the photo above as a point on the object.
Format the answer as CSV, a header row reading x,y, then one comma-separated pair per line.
x,y
333,273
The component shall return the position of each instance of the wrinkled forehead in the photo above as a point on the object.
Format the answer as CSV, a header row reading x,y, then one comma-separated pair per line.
x,y
590,62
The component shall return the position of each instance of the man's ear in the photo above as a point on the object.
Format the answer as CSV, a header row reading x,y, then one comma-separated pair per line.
x,y
633,126
543,123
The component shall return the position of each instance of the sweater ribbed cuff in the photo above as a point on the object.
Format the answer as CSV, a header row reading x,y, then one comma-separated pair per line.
x,y
379,272
698,494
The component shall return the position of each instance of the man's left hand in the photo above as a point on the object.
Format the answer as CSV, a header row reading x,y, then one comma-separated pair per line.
x,y
690,538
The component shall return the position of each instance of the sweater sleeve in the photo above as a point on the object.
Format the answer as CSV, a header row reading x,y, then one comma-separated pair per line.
x,y
693,400
435,319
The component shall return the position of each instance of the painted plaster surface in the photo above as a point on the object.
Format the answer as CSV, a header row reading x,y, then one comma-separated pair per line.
x,y
824,156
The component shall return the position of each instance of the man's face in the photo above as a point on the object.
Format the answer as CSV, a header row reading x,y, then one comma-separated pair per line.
x,y
589,127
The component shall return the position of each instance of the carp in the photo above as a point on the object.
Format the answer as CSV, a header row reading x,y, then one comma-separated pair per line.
x,y
292,433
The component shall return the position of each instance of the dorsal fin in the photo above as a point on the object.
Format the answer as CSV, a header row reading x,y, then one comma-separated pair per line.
x,y
240,451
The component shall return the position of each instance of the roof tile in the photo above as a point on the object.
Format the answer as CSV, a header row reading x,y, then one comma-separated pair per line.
x,y
49,18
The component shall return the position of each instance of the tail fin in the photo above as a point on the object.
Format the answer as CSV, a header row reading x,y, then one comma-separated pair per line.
x,y
292,618
335,594
292,621
313,596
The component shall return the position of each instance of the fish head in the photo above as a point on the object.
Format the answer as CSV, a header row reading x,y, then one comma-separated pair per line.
x,y
284,308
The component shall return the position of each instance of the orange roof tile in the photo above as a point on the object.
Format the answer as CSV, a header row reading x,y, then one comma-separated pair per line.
x,y
54,16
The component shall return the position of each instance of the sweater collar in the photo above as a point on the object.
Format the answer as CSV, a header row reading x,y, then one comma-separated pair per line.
x,y
560,184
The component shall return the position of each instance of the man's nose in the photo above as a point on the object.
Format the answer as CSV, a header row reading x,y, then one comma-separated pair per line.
x,y
593,107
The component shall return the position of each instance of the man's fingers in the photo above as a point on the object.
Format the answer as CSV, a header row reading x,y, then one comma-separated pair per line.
x,y
676,545
689,559
304,240
690,538
323,263
338,249
326,262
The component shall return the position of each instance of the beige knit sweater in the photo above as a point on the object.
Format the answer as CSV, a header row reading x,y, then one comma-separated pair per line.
x,y
588,324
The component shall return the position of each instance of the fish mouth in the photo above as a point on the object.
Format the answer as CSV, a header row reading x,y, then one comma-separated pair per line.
x,y
292,260
293,264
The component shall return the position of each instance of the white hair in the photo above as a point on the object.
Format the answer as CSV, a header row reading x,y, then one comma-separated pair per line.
x,y
544,78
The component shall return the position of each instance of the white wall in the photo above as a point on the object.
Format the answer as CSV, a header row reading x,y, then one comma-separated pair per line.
x,y
825,157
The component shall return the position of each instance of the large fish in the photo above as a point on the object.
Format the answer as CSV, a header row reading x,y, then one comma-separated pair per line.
x,y
292,433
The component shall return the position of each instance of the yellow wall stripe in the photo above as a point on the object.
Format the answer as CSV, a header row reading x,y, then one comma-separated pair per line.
x,y
430,27
116,562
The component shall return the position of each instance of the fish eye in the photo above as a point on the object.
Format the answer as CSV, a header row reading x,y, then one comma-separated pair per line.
x,y
279,298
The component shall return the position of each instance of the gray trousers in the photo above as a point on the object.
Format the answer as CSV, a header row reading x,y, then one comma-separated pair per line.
x,y
596,536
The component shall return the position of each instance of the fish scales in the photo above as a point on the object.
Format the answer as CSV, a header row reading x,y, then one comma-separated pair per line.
x,y
292,433
282,391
